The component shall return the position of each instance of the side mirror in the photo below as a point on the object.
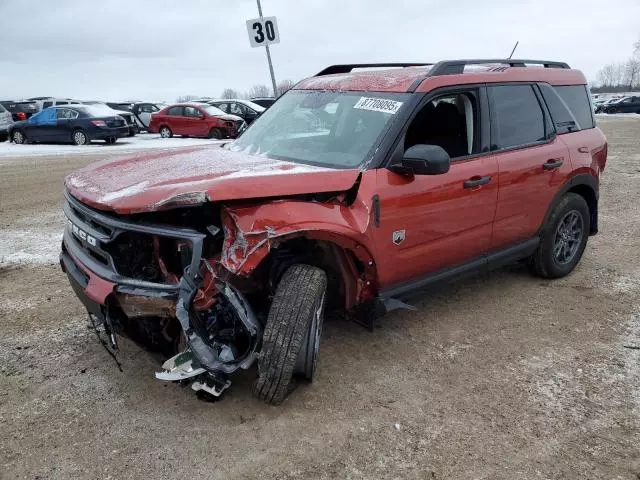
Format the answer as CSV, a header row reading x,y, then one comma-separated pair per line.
x,y
423,160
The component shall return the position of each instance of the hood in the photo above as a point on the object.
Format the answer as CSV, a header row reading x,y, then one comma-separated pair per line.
x,y
228,116
188,176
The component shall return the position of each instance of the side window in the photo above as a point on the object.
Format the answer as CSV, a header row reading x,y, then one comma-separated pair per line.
x,y
175,111
237,109
577,99
563,119
192,112
223,106
449,121
46,105
517,118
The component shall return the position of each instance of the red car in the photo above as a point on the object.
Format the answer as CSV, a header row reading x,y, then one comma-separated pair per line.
x,y
195,120
350,193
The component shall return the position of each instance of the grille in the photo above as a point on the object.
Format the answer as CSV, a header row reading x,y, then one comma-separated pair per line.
x,y
114,246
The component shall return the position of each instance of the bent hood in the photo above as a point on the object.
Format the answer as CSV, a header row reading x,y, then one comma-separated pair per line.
x,y
188,176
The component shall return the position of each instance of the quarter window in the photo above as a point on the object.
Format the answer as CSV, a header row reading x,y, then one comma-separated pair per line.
x,y
517,118
577,99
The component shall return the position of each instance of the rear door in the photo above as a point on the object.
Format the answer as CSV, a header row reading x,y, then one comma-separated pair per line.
x,y
533,162
175,119
65,123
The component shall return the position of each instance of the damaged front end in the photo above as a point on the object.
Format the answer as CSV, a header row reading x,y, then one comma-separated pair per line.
x,y
157,285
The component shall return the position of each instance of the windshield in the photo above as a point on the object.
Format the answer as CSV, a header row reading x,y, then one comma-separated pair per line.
x,y
211,110
334,129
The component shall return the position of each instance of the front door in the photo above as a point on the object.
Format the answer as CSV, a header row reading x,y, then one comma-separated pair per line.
x,y
194,121
432,222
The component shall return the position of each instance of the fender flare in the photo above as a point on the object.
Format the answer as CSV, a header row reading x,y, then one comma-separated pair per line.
x,y
582,179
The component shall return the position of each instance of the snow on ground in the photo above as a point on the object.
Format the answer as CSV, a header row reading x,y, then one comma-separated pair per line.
x,y
144,141
603,116
32,240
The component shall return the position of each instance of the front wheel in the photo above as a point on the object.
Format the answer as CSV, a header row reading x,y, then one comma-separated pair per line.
x,y
79,138
564,238
291,336
215,133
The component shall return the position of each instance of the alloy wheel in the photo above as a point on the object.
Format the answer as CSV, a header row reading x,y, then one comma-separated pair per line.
x,y
568,237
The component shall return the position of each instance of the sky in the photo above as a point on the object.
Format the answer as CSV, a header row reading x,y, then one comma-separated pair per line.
x,y
160,49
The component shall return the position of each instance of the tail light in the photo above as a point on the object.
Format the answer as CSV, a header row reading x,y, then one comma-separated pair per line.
x,y
599,156
21,116
99,123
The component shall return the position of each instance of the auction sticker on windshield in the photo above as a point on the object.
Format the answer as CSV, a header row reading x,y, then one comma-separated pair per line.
x,y
378,105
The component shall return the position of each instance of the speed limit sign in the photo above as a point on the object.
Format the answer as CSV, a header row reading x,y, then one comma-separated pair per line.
x,y
263,31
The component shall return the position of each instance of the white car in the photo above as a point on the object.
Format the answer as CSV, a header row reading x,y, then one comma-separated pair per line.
x,y
5,122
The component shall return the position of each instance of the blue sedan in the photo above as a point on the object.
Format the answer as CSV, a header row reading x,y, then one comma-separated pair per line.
x,y
77,124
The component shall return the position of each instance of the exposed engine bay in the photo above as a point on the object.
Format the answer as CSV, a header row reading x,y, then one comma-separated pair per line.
x,y
193,283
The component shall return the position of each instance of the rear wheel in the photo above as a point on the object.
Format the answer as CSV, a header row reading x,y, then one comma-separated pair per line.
x,y
564,238
291,337
79,138
18,137
215,133
165,132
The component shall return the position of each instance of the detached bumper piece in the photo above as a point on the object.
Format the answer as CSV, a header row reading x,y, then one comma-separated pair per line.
x,y
117,264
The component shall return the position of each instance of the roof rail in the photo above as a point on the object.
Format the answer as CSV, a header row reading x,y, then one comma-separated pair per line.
x,y
452,67
346,68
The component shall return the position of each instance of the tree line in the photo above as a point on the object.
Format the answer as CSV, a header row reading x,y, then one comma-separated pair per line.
x,y
254,92
621,76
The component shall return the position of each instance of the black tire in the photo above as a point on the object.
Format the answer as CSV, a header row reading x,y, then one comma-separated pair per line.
x,y
79,137
18,137
215,133
548,261
294,322
165,132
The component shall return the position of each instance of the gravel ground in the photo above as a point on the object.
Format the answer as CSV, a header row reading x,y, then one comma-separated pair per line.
x,y
501,376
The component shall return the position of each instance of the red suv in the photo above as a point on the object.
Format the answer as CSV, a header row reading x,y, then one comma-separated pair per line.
x,y
195,120
352,191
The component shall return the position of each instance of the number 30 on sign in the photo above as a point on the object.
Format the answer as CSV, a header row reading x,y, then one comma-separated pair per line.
x,y
263,31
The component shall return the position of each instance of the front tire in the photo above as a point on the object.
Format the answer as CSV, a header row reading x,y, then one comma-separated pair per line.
x,y
79,138
215,134
291,337
564,238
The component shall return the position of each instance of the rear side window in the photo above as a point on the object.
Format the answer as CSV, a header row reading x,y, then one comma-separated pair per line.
x,y
577,99
563,119
516,115
177,111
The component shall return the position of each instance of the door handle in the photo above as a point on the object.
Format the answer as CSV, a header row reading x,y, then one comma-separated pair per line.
x,y
476,181
552,163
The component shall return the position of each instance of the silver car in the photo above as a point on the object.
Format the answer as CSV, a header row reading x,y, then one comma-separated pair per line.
x,y
5,122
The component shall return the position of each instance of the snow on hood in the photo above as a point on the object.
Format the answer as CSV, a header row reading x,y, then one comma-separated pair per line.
x,y
157,180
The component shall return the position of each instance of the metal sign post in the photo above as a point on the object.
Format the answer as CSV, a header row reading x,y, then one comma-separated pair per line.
x,y
263,31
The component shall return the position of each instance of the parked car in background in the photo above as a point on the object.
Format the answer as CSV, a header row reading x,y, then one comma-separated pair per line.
x,y
607,101
195,120
630,104
123,112
77,124
142,112
20,109
54,102
244,109
5,122
265,102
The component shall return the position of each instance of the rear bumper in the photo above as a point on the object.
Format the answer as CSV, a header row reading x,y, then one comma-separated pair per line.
x,y
100,133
